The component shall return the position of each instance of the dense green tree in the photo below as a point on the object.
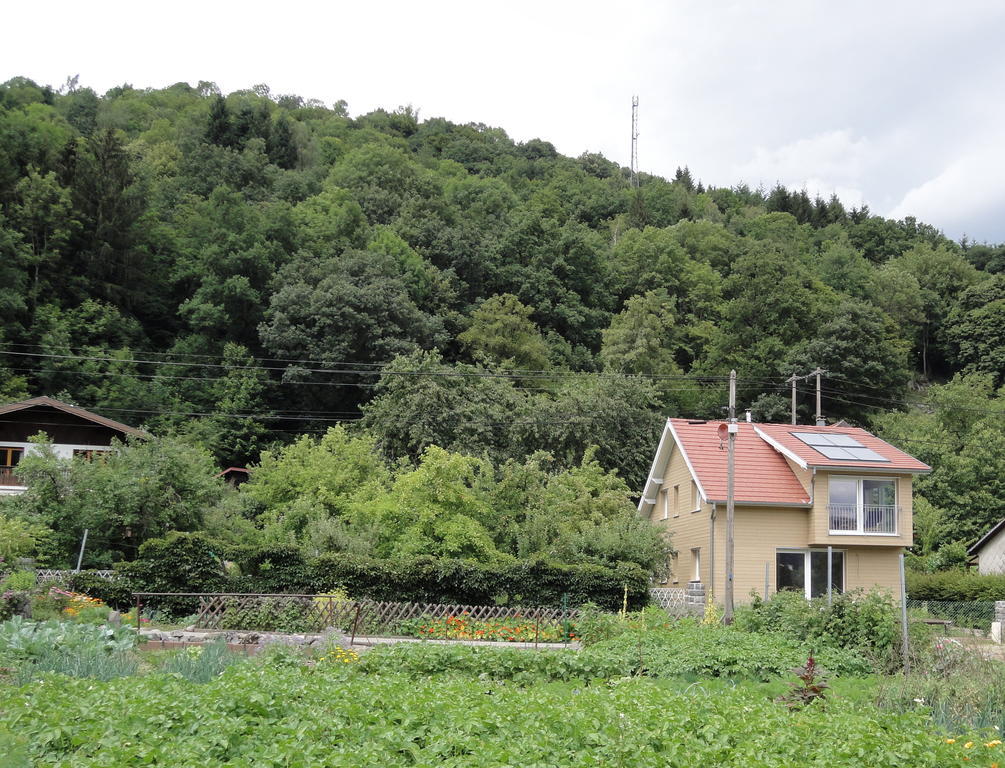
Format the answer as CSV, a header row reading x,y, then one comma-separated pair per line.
x,y
503,335
643,337
419,401
942,273
352,308
109,205
844,269
325,472
772,302
142,489
437,508
617,414
975,328
959,431
43,214
865,360
227,253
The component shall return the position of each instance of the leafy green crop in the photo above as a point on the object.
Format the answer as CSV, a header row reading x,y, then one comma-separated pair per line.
x,y
28,648
685,650
258,715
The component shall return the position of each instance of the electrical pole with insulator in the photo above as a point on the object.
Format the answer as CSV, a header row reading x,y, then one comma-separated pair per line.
x,y
732,428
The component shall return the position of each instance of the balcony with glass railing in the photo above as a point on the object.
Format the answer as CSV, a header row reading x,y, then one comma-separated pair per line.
x,y
864,519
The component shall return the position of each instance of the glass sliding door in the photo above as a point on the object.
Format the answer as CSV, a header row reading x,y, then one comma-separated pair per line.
x,y
818,572
791,571
805,571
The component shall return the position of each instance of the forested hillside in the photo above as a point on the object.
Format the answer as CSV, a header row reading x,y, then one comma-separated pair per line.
x,y
242,270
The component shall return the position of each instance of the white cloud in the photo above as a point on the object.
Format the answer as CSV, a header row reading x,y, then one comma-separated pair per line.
x,y
831,162
965,197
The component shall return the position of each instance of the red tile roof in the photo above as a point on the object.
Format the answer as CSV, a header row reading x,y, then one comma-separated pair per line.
x,y
762,474
898,461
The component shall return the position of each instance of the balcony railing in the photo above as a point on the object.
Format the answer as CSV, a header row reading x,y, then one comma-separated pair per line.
x,y
7,477
866,519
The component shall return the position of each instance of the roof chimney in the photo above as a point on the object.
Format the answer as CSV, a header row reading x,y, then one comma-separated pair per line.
x,y
748,416
821,422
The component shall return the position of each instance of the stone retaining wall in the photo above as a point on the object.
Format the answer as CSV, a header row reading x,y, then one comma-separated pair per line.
x,y
243,638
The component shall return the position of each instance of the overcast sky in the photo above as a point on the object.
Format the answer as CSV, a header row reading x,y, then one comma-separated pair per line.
x,y
894,104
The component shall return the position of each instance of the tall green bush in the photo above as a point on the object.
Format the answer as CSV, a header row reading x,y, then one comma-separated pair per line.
x,y
956,586
179,562
444,580
113,592
856,619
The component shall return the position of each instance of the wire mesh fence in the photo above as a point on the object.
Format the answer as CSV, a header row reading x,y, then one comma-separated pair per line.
x,y
673,600
967,618
43,575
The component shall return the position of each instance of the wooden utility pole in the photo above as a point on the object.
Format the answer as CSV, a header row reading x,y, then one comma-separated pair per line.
x,y
792,380
820,415
733,427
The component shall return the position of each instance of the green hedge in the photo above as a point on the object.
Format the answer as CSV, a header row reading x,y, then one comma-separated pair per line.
x,y
183,562
115,592
179,562
955,586
434,580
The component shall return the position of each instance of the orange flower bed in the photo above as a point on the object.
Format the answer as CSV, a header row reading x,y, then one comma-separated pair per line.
x,y
518,629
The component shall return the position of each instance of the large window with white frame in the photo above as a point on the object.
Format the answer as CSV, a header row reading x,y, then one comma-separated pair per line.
x,y
805,571
862,505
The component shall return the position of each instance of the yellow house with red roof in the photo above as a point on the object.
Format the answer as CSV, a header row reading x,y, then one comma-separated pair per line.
x,y
808,500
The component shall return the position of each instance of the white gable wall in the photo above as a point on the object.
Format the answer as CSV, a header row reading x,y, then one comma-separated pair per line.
x,y
991,557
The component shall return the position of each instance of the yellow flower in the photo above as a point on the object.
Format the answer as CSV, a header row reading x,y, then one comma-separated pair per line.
x,y
993,743
950,741
968,745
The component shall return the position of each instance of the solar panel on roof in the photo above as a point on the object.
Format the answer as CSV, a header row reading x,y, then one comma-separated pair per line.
x,y
813,438
837,446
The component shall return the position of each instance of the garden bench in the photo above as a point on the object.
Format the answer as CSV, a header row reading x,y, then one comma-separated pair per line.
x,y
944,623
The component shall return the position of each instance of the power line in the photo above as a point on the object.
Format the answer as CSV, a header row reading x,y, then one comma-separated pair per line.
x,y
933,406
507,374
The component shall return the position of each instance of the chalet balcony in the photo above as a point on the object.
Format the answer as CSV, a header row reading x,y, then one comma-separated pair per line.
x,y
8,478
864,519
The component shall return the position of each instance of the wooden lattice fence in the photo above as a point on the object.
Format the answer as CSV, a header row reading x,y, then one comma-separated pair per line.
x,y
315,613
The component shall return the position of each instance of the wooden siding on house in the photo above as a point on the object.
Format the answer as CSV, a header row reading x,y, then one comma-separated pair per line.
x,y
758,532
687,529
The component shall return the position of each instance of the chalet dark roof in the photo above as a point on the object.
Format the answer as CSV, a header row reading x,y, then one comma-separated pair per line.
x,y
986,538
233,471
48,402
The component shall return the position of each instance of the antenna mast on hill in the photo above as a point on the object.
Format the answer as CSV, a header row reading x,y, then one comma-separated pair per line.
x,y
635,142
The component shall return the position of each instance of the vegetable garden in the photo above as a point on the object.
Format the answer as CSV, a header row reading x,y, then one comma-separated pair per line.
x,y
645,690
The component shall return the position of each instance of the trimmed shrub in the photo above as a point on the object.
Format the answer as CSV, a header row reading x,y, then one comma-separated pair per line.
x,y
428,579
179,562
956,586
113,592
